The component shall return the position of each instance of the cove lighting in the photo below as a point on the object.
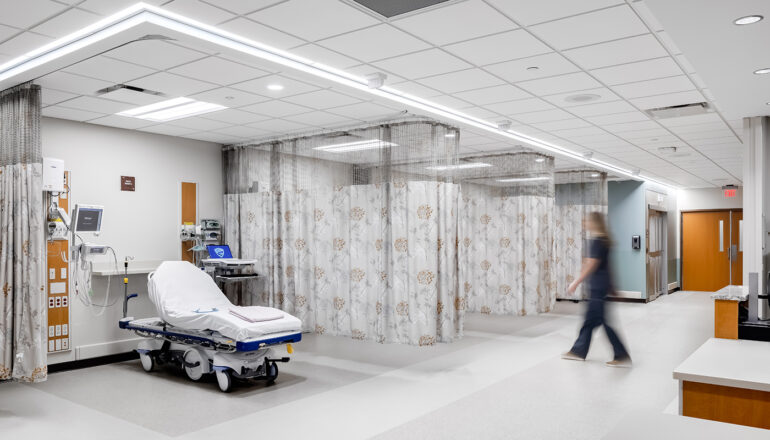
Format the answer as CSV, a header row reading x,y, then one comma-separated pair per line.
x,y
142,14
523,179
371,144
172,109
749,19
462,166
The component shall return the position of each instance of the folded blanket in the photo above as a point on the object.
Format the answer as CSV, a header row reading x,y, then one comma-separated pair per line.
x,y
256,313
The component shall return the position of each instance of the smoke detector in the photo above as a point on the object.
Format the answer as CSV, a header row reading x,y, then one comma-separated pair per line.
x,y
582,98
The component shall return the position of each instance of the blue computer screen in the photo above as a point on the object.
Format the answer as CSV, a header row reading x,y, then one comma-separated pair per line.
x,y
219,251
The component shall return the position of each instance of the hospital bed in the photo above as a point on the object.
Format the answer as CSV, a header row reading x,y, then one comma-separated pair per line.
x,y
202,332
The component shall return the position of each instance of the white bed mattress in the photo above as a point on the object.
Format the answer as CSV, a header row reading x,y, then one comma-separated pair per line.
x,y
188,298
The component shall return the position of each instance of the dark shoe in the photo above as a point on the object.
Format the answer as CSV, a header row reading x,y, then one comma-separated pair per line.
x,y
572,356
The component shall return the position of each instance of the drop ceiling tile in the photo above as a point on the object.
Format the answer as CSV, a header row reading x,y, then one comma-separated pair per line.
x,y
596,96
631,126
697,128
618,118
132,97
325,56
200,11
261,33
642,134
643,47
76,84
66,23
421,64
689,97
480,113
460,81
694,120
319,119
591,28
563,124
363,111
51,96
543,116
363,70
559,84
156,54
323,19
322,99
450,101
449,24
198,123
290,86
108,7
279,126
121,122
109,69
218,71
519,106
30,13
711,134
229,97
69,113
361,44
172,85
494,94
96,105
6,32
243,132
550,64
655,87
217,138
276,108
639,71
604,108
416,89
23,43
234,116
575,134
167,130
499,48
528,12
242,7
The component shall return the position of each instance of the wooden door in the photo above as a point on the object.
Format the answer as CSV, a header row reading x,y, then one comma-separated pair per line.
x,y
736,264
189,215
705,252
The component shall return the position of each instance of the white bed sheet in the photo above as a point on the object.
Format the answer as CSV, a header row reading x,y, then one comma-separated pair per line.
x,y
188,298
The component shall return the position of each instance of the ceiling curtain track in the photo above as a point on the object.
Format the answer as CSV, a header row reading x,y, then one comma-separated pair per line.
x,y
23,309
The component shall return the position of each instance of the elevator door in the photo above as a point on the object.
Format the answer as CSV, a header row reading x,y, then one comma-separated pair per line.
x,y
712,254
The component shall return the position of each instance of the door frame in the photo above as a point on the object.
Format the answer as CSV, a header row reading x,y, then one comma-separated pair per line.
x,y
681,236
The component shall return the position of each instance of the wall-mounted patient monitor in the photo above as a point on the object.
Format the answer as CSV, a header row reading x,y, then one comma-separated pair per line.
x,y
87,218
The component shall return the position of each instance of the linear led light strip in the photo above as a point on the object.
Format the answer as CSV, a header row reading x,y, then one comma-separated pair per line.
x,y
523,179
462,166
141,13
172,109
370,144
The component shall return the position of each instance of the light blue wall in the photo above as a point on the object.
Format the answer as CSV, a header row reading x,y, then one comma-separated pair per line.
x,y
626,216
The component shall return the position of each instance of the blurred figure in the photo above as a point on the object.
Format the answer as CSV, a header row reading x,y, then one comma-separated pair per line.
x,y
596,271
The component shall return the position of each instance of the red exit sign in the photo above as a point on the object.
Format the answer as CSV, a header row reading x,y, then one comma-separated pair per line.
x,y
731,192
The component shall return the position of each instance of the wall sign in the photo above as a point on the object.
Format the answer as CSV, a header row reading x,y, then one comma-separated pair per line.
x,y
127,183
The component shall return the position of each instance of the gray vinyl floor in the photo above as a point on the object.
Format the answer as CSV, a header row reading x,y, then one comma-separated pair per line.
x,y
504,379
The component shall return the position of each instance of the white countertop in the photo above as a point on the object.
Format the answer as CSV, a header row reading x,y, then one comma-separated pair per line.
x,y
738,363
650,425
134,268
731,293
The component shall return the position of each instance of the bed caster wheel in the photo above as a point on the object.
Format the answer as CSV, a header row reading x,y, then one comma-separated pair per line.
x,y
272,373
193,364
225,380
148,363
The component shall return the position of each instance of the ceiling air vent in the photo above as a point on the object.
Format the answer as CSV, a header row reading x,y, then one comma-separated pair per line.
x,y
392,8
676,111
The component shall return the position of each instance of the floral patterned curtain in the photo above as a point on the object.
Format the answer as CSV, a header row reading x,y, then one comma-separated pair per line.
x,y
23,329
578,193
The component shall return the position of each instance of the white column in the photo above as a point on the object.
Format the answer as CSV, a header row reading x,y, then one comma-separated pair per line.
x,y
756,197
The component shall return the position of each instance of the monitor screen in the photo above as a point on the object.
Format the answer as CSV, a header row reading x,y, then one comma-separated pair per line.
x,y
88,218
219,251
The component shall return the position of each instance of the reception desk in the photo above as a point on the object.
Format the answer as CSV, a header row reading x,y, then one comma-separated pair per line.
x,y
726,303
727,381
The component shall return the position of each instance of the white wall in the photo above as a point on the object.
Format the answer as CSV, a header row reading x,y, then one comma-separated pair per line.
x,y
143,224
708,198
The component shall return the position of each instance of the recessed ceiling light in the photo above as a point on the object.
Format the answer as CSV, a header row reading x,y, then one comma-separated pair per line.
x,y
172,109
583,97
540,160
764,71
749,19
274,87
533,68
462,166
370,144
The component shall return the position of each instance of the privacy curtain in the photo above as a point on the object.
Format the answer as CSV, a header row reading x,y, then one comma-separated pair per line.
x,y
578,193
22,243
349,242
